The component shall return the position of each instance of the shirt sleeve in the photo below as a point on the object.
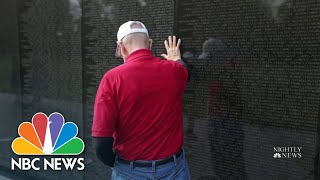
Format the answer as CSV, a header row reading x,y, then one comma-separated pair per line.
x,y
182,71
105,110
186,66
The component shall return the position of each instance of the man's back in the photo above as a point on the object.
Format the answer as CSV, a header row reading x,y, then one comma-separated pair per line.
x,y
137,123
148,94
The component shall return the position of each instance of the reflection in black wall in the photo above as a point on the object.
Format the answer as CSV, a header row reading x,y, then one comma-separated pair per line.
x,y
254,86
266,93
51,65
224,110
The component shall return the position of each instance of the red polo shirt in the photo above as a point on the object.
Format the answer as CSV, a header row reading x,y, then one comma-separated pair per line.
x,y
139,103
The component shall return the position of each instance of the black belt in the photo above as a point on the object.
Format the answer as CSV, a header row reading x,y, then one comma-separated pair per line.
x,y
149,164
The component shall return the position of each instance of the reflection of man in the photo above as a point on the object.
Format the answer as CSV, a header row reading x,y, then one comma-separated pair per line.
x,y
205,69
138,110
224,111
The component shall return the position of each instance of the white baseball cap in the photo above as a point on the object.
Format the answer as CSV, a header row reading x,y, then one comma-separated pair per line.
x,y
126,29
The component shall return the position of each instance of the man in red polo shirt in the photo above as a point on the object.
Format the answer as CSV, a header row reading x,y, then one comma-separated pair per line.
x,y
137,126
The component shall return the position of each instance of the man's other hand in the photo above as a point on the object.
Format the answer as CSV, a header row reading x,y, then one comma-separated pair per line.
x,y
173,48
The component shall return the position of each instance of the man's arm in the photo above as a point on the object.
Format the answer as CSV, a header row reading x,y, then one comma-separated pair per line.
x,y
104,150
173,52
104,121
183,63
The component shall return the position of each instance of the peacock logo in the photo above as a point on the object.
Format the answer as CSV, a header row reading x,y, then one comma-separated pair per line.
x,y
48,136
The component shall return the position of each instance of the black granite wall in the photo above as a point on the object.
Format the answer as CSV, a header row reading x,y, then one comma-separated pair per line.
x,y
255,85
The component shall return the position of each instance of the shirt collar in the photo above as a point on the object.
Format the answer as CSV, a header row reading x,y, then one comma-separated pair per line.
x,y
137,54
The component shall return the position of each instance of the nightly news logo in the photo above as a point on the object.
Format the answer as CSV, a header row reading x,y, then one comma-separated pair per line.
x,y
48,136
287,152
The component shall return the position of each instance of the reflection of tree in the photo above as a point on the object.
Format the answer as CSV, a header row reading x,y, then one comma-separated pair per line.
x,y
224,110
76,13
277,8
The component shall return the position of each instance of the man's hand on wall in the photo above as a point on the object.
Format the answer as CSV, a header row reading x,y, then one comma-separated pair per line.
x,y
173,48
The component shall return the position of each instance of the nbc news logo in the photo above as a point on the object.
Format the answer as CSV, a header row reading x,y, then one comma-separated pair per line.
x,y
287,152
48,136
